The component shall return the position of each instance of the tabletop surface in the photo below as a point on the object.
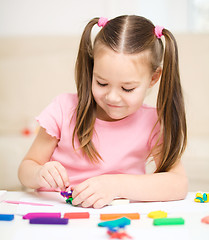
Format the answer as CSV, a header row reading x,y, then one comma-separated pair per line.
x,y
77,229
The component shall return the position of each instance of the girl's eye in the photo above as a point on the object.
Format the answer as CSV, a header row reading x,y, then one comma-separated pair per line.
x,y
102,84
128,90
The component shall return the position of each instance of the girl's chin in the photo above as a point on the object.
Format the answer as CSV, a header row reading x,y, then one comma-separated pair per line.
x,y
110,116
113,118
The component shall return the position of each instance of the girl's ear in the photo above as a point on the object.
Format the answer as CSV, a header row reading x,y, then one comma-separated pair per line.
x,y
155,76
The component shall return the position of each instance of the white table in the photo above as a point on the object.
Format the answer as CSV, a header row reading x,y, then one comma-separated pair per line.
x,y
87,228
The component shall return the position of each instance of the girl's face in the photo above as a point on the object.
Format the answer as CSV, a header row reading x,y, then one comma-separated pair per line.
x,y
120,83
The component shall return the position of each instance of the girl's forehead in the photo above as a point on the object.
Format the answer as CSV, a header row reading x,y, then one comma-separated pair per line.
x,y
106,55
109,64
141,57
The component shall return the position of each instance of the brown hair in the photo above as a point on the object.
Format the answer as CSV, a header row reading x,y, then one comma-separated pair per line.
x,y
132,35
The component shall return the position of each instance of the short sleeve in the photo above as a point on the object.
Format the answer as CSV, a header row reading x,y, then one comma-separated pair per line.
x,y
51,118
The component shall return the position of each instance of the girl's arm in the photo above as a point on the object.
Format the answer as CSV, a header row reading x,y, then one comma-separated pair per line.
x,y
164,186
36,170
101,190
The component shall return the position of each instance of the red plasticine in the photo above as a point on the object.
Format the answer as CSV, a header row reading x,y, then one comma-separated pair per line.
x,y
76,215
205,220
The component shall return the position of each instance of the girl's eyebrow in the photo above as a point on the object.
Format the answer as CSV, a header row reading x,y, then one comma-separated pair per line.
x,y
130,82
97,75
125,83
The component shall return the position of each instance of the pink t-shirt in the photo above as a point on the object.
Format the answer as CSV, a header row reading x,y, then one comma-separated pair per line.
x,y
123,145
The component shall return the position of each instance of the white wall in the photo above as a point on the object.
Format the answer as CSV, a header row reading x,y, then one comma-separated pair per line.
x,y
41,17
172,14
64,17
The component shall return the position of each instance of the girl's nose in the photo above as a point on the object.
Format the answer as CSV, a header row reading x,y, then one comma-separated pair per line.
x,y
112,96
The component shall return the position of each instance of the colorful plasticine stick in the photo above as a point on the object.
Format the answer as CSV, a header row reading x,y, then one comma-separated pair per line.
x,y
113,216
6,217
76,215
41,214
168,221
120,223
48,220
157,214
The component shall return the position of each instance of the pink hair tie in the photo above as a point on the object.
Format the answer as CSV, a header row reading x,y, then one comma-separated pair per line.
x,y
159,31
102,22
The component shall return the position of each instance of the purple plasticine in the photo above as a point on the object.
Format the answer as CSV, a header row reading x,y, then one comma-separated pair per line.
x,y
48,221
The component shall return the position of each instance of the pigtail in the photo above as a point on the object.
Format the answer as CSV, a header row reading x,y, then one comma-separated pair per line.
x,y
85,111
170,107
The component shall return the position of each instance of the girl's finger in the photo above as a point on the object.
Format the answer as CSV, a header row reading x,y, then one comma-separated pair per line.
x,y
99,203
45,184
79,188
68,189
49,179
90,201
63,174
57,178
82,196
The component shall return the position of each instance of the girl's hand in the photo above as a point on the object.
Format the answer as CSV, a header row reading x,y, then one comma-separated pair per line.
x,y
96,191
53,175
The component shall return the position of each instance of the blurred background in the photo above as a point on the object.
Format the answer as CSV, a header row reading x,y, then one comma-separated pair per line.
x,y
38,45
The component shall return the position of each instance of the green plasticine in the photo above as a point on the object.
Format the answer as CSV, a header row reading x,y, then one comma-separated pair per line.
x,y
69,200
168,221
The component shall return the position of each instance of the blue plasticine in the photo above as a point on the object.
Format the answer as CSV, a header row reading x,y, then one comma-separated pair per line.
x,y
205,197
6,217
199,198
120,223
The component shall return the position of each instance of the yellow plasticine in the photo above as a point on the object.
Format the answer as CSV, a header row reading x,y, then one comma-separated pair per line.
x,y
157,214
199,195
196,200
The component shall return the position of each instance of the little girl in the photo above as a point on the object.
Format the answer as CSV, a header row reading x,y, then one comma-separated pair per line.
x,y
97,142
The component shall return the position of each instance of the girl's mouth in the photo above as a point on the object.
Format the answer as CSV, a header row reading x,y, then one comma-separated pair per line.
x,y
113,106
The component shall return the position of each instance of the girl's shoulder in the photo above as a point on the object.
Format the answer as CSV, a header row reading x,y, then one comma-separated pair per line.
x,y
148,109
148,113
69,97
66,100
